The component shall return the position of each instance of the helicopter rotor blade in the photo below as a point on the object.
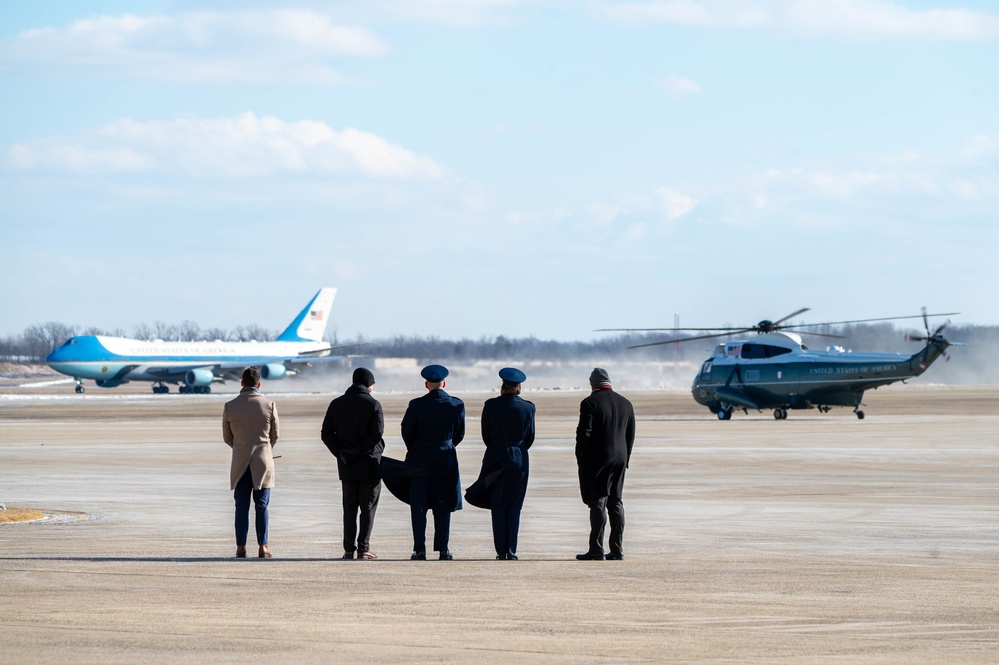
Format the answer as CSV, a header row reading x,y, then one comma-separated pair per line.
x,y
792,315
688,339
887,318
805,332
733,330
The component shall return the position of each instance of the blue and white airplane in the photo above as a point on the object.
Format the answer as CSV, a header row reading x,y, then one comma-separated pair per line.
x,y
112,361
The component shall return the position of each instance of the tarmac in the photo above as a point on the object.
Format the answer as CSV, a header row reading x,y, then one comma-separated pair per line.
x,y
817,539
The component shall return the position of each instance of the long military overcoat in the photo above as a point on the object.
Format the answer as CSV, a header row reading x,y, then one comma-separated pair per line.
x,y
431,427
604,439
352,430
508,432
250,428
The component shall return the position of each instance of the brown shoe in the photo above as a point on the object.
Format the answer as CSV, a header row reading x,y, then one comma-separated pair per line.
x,y
240,552
264,552
367,555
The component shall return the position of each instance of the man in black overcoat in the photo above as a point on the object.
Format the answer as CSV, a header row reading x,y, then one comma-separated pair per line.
x,y
352,430
604,438
508,432
431,427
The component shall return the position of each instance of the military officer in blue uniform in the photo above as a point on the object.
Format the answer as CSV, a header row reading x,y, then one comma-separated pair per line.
x,y
432,426
508,432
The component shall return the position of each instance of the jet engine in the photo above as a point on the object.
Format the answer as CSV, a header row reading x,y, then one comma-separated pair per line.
x,y
273,371
199,377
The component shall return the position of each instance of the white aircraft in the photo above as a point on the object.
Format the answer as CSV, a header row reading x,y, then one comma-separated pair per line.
x,y
112,361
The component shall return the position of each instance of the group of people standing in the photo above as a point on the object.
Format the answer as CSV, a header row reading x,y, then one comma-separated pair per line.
x,y
427,478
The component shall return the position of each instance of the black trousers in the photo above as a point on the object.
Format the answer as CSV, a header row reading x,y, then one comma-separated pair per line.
x,y
419,503
359,495
600,510
506,523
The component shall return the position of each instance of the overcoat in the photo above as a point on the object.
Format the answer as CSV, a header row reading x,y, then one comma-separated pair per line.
x,y
352,430
431,427
508,432
604,439
250,428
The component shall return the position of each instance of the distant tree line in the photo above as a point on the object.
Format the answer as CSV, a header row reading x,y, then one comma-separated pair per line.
x,y
971,364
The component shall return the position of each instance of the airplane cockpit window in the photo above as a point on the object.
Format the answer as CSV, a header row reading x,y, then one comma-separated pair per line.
x,y
70,342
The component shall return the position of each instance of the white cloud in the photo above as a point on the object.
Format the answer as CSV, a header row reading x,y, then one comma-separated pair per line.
x,y
452,13
691,13
982,145
536,217
679,86
675,204
843,19
273,46
244,145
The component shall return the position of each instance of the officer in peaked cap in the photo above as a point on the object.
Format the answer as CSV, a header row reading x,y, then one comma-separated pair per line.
x,y
434,373
432,426
508,432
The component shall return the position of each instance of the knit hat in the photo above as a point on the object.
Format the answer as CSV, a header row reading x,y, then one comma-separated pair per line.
x,y
364,377
599,377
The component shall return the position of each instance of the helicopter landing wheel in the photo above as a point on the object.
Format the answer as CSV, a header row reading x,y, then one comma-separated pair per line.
x,y
725,413
860,414
780,414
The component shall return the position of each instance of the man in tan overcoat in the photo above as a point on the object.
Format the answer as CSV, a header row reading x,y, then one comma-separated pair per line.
x,y
250,428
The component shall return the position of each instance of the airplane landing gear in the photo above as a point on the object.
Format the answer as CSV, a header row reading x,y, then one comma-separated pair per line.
x,y
79,387
160,389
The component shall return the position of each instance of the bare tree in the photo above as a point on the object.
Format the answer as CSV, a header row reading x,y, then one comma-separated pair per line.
x,y
142,331
165,331
217,334
189,331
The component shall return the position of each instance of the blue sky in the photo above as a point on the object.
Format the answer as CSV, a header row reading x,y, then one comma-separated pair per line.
x,y
497,167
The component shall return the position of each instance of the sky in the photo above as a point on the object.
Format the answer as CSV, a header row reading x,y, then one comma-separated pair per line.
x,y
476,168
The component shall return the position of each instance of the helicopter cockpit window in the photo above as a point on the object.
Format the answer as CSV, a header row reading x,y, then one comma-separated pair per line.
x,y
753,351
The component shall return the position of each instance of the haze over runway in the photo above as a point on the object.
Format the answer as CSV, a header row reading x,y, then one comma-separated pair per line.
x,y
498,167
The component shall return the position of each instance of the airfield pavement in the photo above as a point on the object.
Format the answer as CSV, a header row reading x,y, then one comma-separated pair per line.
x,y
818,539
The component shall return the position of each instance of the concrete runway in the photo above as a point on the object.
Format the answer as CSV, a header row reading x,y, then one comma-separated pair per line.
x,y
819,539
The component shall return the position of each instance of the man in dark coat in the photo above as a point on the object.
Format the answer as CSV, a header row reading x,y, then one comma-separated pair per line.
x,y
432,426
604,438
507,431
352,430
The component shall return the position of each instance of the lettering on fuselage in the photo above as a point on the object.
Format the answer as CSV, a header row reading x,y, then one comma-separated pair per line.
x,y
875,369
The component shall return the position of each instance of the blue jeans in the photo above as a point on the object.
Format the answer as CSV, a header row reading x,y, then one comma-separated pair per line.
x,y
261,498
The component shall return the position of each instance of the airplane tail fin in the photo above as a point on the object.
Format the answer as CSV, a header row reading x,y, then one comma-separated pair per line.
x,y
310,324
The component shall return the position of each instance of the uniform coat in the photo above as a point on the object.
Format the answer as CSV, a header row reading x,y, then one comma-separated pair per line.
x,y
250,428
604,439
508,432
432,426
352,430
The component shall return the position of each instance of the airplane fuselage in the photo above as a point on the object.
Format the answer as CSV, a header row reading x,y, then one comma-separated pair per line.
x,y
115,360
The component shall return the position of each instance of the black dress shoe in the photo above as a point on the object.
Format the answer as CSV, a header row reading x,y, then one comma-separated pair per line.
x,y
446,556
500,557
347,555
614,557
418,556
511,557
590,556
